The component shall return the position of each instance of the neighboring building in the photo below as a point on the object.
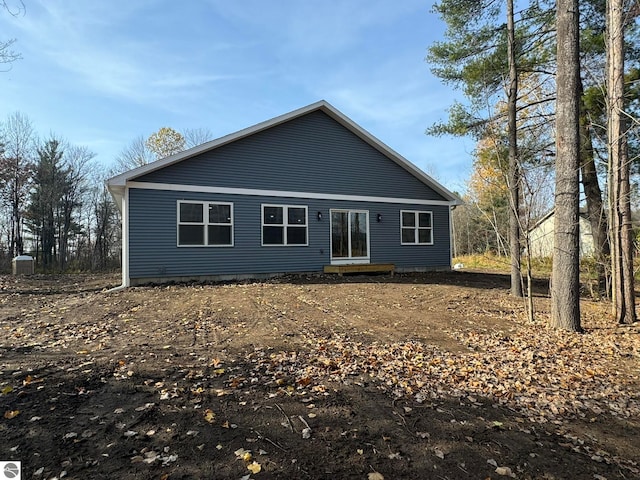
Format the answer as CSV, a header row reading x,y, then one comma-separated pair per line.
x,y
541,237
293,194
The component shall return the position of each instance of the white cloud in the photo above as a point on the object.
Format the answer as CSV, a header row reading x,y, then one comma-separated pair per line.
x,y
125,68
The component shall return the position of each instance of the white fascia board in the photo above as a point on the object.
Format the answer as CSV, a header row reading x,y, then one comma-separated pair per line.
x,y
283,194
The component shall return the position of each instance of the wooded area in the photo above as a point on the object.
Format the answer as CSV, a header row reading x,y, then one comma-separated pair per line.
x,y
54,205
53,201
552,90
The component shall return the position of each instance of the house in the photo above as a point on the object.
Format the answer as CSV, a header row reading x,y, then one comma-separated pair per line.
x,y
541,236
296,193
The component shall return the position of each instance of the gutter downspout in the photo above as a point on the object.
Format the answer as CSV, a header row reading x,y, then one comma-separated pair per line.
x,y
452,239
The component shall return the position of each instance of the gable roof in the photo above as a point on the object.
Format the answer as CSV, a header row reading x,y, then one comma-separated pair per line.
x,y
116,185
581,213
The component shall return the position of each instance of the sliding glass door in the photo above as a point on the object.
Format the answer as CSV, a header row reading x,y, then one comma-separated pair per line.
x,y
349,236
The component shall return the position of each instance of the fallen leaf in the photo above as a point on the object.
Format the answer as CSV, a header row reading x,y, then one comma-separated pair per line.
x,y
9,414
243,454
375,476
6,390
255,467
504,471
209,416
240,452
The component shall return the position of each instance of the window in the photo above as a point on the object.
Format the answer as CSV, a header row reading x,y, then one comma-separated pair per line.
x,y
284,225
205,224
416,228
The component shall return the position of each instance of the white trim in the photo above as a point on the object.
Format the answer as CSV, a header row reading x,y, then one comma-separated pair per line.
x,y
126,280
281,194
416,228
451,236
205,223
350,259
284,225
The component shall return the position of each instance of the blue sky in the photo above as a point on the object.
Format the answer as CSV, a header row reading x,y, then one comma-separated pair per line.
x,y
101,73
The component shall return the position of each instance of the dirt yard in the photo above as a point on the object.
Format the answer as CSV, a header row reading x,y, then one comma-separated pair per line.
x,y
366,377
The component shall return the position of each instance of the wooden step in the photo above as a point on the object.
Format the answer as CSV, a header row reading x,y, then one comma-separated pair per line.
x,y
360,268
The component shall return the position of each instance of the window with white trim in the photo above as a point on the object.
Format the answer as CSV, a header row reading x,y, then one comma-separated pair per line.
x,y
205,224
284,225
416,228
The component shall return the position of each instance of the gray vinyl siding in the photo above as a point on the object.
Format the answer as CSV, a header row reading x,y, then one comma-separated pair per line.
x,y
154,252
312,153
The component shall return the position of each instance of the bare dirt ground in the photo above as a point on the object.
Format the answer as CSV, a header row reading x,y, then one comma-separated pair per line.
x,y
413,376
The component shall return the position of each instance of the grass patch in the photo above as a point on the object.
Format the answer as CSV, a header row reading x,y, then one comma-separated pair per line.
x,y
541,267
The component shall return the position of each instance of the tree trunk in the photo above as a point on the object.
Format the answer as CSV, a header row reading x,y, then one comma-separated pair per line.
x,y
565,286
514,167
593,195
619,168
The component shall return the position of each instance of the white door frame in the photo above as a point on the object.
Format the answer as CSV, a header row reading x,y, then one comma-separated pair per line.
x,y
349,259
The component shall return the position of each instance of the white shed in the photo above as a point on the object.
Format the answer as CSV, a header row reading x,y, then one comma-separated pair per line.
x,y
541,237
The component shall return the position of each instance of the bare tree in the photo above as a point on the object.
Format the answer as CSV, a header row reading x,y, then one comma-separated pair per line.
x,y
16,169
105,228
7,55
565,286
134,155
77,163
196,136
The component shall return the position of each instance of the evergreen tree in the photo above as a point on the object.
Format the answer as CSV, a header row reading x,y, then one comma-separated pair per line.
x,y
50,182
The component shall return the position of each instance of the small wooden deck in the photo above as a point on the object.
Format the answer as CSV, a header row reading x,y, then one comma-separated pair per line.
x,y
360,268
